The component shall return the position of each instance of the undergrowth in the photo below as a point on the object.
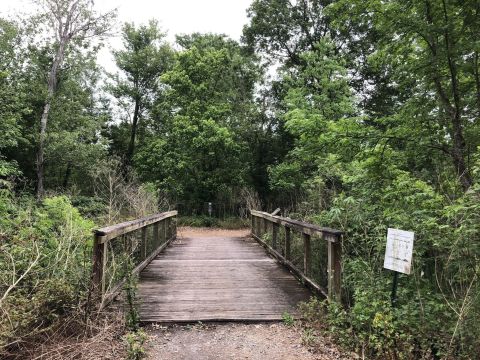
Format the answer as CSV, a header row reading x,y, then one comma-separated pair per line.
x,y
231,223
45,268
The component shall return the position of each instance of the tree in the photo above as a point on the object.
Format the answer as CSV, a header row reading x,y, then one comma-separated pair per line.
x,y
11,95
73,22
283,29
430,51
145,58
201,148
319,107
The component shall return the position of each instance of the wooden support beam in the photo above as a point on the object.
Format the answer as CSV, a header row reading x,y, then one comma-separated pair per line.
x,y
156,235
126,232
288,239
99,263
335,270
307,254
110,232
164,230
275,212
143,244
275,228
174,225
252,222
297,272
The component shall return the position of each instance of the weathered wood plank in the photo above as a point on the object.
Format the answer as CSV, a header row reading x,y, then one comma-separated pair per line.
x,y
307,281
300,226
112,293
332,236
216,279
113,231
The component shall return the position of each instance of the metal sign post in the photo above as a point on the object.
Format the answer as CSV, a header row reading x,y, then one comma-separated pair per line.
x,y
398,256
394,288
210,209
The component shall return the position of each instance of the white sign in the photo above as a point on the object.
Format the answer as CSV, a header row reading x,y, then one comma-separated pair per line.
x,y
398,254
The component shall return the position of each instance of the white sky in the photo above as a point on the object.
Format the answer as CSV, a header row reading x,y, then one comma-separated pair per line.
x,y
174,16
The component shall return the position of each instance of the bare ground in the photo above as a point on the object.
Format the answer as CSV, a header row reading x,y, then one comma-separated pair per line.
x,y
187,231
266,341
72,338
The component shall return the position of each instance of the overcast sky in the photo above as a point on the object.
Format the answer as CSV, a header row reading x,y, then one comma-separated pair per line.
x,y
174,16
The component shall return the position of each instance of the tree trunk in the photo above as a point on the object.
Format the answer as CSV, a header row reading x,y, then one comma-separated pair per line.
x,y
68,173
133,133
453,109
477,79
458,139
40,153
458,154
51,87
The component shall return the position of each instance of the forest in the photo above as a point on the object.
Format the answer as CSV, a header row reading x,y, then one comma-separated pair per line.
x,y
359,115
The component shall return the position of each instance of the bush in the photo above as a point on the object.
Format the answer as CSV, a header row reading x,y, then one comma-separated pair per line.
x,y
207,221
439,303
44,264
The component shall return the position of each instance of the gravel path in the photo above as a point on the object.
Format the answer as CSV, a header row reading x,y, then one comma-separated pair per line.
x,y
238,341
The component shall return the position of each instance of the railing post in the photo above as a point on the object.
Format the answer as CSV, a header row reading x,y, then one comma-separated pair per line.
x,y
156,235
165,230
99,263
288,239
307,254
143,244
174,222
275,227
252,222
334,267
265,227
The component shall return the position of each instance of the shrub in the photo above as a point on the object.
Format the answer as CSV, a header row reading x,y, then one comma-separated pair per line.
x,y
44,264
439,303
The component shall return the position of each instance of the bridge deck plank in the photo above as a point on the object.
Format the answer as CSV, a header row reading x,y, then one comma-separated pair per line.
x,y
216,279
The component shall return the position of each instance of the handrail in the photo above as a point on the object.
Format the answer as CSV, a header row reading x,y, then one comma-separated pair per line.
x,y
259,224
113,231
164,232
306,228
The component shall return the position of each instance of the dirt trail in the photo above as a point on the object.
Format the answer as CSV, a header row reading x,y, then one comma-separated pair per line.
x,y
187,231
238,341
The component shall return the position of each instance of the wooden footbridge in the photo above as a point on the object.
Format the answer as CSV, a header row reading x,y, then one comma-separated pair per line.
x,y
217,278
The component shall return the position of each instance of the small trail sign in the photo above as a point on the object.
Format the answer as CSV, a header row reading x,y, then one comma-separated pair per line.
x,y
398,254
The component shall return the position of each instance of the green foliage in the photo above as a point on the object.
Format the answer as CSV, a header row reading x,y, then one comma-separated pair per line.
x,y
288,319
370,122
45,264
308,336
135,341
88,206
382,117
144,58
132,317
207,221
197,154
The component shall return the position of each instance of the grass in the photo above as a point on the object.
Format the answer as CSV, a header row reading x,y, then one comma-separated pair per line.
x,y
288,319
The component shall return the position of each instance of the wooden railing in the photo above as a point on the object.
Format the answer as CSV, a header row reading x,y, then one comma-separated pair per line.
x,y
294,251
126,248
